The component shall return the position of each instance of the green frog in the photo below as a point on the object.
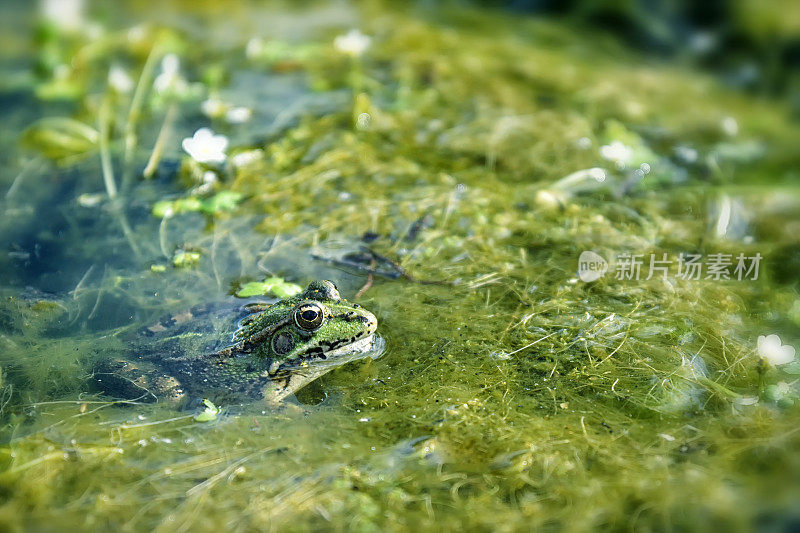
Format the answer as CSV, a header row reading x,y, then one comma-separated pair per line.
x,y
275,349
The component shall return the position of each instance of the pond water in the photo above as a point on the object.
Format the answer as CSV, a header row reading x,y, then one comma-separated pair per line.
x,y
583,261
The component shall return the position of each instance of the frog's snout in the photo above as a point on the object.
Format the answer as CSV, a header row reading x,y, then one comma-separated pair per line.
x,y
371,322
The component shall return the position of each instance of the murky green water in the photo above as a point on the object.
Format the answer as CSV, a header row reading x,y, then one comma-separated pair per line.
x,y
478,151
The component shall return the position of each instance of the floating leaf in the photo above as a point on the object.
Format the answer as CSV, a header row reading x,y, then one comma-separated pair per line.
x,y
189,204
269,287
210,413
222,201
164,208
185,258
61,137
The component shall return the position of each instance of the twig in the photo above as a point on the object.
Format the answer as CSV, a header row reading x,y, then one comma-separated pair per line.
x,y
368,284
377,259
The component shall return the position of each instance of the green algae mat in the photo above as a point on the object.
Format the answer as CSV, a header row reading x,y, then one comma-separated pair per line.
x,y
583,262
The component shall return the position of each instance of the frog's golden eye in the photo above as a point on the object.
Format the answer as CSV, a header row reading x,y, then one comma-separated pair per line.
x,y
308,316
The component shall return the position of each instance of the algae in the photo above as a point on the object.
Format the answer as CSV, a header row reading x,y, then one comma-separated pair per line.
x,y
466,147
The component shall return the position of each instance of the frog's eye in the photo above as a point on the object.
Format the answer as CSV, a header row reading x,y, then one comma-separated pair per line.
x,y
308,316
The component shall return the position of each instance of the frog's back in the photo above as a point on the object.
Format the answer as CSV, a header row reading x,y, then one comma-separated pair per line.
x,y
177,358
204,328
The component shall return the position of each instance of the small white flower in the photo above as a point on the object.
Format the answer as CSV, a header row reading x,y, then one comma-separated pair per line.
x,y
205,147
729,126
254,48
65,14
213,107
596,173
170,79
363,120
617,152
137,34
242,159
238,115
773,351
119,80
353,43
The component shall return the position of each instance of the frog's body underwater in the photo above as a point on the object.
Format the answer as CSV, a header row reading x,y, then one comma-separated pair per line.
x,y
275,349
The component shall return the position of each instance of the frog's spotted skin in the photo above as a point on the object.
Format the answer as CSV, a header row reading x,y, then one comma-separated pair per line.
x,y
275,351
281,334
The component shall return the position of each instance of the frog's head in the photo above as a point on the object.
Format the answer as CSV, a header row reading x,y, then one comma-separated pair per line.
x,y
316,328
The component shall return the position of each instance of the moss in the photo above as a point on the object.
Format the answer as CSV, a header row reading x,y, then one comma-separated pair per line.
x,y
512,394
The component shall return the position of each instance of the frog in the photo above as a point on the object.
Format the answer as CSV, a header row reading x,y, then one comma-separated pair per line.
x,y
274,350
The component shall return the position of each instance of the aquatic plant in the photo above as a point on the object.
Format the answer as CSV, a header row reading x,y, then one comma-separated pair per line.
x,y
269,287
353,43
773,351
206,147
454,169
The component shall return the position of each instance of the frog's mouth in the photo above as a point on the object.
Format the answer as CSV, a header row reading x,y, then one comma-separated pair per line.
x,y
371,345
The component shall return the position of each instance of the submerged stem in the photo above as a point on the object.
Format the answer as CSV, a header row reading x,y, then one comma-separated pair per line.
x,y
108,175
158,148
136,106
162,237
105,155
126,228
